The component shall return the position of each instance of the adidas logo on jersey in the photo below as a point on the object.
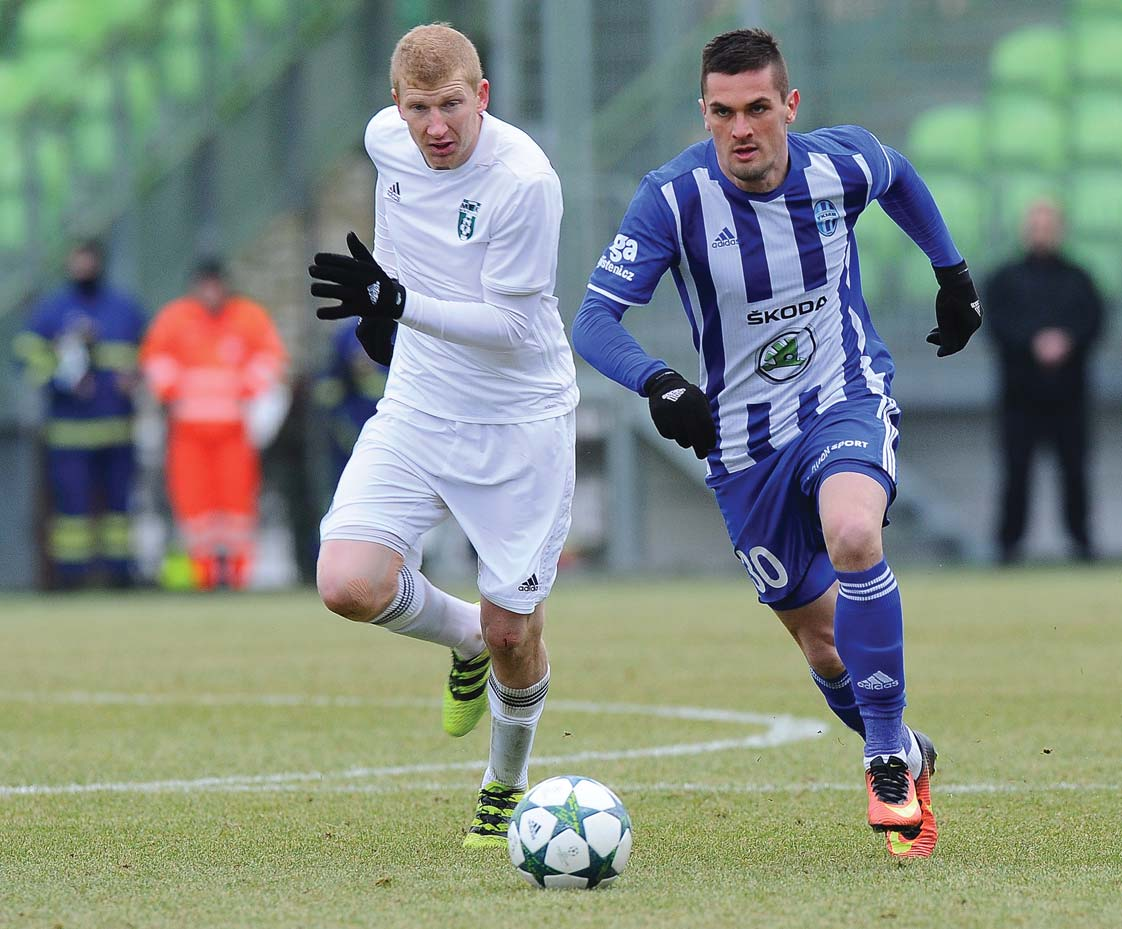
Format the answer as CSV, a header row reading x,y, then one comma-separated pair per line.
x,y
393,192
530,584
878,680
724,239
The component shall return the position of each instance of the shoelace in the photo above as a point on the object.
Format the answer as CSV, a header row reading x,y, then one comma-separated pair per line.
x,y
495,807
889,780
469,678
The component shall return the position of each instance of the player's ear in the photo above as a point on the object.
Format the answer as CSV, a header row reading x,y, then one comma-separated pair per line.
x,y
483,94
397,102
704,114
792,105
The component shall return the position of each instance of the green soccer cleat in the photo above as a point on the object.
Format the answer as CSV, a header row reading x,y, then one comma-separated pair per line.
x,y
465,694
492,816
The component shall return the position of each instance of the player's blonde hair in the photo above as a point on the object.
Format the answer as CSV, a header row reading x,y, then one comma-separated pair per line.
x,y
428,56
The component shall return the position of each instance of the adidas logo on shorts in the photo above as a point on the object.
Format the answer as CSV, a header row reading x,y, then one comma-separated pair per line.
x,y
530,584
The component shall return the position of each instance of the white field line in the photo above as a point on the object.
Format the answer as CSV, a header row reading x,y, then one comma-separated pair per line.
x,y
777,730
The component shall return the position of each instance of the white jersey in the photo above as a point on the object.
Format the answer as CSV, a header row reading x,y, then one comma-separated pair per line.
x,y
491,224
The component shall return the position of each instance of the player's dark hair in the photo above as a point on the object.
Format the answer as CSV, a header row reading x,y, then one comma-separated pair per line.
x,y
745,50
93,247
210,267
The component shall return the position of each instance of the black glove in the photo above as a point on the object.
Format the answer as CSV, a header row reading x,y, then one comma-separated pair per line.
x,y
681,412
958,311
376,335
359,284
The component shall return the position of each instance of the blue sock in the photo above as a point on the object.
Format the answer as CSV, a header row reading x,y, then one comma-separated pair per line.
x,y
869,632
838,692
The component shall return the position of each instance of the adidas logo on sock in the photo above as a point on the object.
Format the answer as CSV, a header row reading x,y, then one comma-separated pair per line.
x,y
878,680
724,239
530,584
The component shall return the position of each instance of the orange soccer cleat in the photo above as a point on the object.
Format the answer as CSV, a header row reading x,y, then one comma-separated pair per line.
x,y
893,803
918,841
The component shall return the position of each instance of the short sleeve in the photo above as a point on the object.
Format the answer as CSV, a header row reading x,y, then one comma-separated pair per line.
x,y
645,246
522,251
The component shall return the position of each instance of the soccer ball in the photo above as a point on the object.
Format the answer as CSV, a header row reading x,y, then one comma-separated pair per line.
x,y
570,831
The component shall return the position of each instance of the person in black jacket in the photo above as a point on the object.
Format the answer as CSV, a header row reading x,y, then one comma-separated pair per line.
x,y
1044,314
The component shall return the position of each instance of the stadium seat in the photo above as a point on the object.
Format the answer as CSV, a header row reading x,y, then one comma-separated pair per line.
x,y
1094,202
1097,51
948,137
180,50
1025,132
964,204
1102,258
1033,60
1097,128
879,245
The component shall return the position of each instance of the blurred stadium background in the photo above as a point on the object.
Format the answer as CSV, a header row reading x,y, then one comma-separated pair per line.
x,y
173,128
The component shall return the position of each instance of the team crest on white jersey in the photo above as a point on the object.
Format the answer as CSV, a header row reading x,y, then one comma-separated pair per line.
x,y
469,212
786,356
826,217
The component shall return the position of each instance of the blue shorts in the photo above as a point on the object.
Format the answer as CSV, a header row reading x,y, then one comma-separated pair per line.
x,y
771,508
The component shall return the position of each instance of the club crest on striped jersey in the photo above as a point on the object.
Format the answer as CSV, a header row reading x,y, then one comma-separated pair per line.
x,y
469,212
786,356
826,217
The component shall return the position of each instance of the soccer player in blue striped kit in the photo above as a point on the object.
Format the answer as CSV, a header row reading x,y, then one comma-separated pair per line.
x,y
794,412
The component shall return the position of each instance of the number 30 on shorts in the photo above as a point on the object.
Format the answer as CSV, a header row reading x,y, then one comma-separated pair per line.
x,y
764,568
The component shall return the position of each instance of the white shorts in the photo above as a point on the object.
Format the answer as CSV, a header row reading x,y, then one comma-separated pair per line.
x,y
509,486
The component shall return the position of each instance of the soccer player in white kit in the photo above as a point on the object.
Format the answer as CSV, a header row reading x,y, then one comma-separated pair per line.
x,y
477,419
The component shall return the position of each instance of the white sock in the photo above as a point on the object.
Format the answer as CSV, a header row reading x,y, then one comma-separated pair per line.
x,y
514,719
422,611
913,754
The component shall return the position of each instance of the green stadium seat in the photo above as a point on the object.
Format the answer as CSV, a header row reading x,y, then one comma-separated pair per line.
x,y
1094,202
1025,132
965,205
1097,51
180,50
949,137
880,242
1033,60
1102,259
1014,192
1097,128
76,27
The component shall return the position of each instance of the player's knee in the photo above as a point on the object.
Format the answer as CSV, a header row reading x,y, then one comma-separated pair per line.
x,y
356,598
853,541
507,635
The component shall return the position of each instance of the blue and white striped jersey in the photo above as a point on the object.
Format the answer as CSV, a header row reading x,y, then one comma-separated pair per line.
x,y
771,283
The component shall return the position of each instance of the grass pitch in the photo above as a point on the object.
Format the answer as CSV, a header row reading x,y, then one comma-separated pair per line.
x,y
226,760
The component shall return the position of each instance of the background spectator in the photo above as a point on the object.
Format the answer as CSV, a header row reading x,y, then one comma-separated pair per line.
x,y
79,347
210,357
1045,315
348,391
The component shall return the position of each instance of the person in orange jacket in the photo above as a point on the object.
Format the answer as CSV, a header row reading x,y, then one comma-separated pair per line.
x,y
208,357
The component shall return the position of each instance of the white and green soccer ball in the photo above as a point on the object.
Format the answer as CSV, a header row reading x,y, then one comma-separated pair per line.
x,y
570,831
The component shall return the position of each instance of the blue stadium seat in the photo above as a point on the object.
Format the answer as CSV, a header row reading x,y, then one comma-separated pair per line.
x,y
949,137
1033,60
1026,132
